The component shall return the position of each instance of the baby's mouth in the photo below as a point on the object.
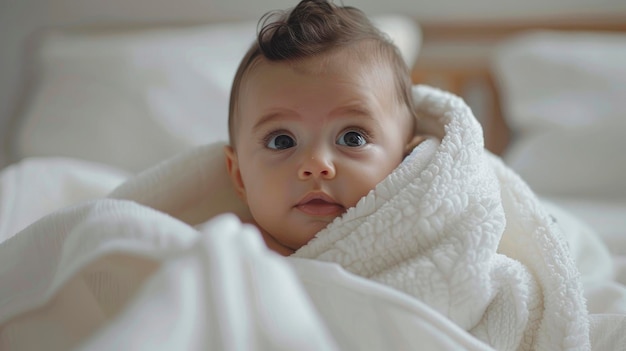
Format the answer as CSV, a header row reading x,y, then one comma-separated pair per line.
x,y
320,205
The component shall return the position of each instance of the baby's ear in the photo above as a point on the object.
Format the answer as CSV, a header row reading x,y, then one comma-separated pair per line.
x,y
232,166
416,140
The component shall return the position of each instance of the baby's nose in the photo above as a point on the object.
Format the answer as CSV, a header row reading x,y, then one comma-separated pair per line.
x,y
317,166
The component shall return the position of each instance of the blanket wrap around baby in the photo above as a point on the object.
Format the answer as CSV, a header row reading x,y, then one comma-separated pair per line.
x,y
466,235
452,226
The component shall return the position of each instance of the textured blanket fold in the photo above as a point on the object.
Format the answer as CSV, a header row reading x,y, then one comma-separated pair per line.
x,y
466,235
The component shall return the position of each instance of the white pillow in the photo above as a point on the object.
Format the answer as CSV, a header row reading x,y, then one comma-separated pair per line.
x,y
133,98
551,79
581,162
564,97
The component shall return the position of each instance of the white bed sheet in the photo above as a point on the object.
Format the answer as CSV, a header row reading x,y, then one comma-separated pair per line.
x,y
35,187
607,219
606,216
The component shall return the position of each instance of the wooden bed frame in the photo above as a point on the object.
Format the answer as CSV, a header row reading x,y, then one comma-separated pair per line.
x,y
455,57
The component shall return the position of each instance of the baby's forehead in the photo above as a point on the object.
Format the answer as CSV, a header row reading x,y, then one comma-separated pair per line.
x,y
364,55
270,80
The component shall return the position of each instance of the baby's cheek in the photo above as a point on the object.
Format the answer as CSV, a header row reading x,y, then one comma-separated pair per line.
x,y
360,188
374,177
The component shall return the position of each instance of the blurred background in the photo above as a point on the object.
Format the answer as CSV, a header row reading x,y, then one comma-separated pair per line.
x,y
20,19
456,40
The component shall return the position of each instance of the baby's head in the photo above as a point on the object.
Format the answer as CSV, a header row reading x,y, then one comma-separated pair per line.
x,y
320,112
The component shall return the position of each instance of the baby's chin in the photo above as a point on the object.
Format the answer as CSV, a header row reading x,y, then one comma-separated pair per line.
x,y
311,233
292,237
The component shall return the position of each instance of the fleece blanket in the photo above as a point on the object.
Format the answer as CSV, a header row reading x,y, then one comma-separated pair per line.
x,y
452,251
467,236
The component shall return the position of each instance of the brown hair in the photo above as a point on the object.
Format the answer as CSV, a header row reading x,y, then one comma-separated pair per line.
x,y
312,28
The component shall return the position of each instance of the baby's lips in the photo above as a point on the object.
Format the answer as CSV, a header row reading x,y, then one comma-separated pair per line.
x,y
321,208
319,204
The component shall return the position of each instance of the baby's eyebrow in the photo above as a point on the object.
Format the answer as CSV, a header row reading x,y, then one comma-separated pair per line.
x,y
355,112
275,116
347,111
352,110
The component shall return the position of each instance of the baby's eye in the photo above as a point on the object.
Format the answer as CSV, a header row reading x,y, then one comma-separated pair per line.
x,y
352,138
281,142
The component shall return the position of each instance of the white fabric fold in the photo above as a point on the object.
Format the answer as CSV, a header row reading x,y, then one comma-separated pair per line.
x,y
112,274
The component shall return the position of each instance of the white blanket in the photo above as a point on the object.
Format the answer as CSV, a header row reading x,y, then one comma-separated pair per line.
x,y
467,236
452,228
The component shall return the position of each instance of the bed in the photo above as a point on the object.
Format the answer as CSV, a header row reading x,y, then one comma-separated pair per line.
x,y
107,105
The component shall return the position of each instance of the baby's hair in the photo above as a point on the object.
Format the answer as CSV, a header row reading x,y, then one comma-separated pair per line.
x,y
312,28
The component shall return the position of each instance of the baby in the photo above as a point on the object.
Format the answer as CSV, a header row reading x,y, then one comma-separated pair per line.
x,y
320,112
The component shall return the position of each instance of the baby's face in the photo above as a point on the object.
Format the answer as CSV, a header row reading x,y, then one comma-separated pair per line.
x,y
311,140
